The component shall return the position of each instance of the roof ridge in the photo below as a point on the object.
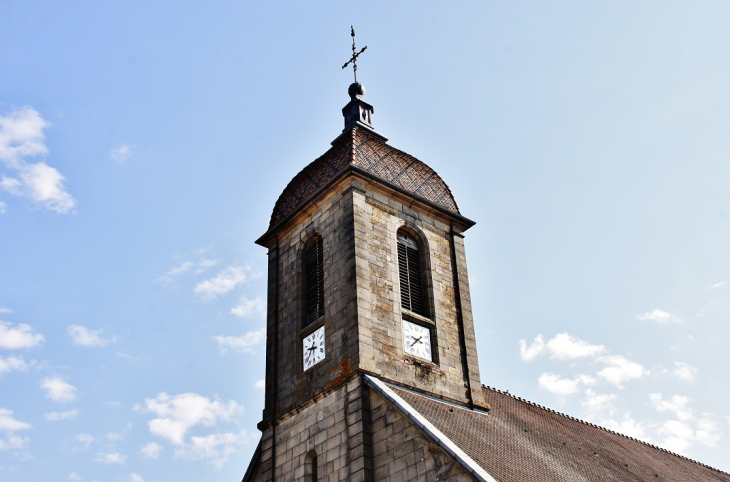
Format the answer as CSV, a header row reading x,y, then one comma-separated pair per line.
x,y
600,427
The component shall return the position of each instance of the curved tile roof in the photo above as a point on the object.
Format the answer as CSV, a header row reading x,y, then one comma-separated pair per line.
x,y
361,149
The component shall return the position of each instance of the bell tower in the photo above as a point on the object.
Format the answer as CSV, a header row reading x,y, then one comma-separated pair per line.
x,y
366,276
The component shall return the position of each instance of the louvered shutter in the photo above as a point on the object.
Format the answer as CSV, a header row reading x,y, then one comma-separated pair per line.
x,y
314,280
409,269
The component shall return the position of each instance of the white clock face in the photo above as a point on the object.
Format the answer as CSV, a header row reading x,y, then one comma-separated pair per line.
x,y
417,340
313,348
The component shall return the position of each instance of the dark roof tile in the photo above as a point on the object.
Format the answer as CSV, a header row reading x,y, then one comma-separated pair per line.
x,y
361,149
521,441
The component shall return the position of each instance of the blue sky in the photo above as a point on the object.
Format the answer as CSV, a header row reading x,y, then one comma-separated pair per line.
x,y
143,145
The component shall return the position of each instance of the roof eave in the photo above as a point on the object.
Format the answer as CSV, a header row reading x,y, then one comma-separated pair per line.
x,y
463,222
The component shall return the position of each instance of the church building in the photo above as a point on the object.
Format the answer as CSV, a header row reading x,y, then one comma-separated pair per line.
x,y
372,371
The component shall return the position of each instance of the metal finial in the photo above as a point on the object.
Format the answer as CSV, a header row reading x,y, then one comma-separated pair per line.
x,y
354,57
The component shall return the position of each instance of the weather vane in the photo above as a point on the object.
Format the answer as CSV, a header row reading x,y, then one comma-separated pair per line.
x,y
354,57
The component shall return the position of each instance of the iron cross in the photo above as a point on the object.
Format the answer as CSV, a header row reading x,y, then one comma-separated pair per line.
x,y
354,57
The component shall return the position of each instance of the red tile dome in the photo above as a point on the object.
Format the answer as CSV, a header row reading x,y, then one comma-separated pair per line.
x,y
360,149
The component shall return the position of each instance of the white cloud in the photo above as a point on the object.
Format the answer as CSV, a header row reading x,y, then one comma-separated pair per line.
x,y
716,285
679,435
85,439
151,450
22,336
21,137
177,414
246,308
529,353
596,403
74,476
562,347
659,316
215,448
82,336
566,347
629,427
58,416
110,458
121,154
3,210
563,386
9,424
13,442
684,371
260,384
135,478
241,344
678,405
58,390
222,283
12,363
5,310
620,370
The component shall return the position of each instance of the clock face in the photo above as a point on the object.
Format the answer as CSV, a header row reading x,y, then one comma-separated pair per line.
x,y
313,348
417,340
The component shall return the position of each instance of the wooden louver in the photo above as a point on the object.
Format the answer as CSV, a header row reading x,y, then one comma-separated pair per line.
x,y
409,269
314,280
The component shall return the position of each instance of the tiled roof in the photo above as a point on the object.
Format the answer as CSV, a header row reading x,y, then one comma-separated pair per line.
x,y
364,150
522,441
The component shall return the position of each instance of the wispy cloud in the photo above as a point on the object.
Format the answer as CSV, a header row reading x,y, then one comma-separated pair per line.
x,y
248,308
659,316
85,439
13,362
82,336
121,153
260,384
225,281
684,371
241,344
197,267
215,448
716,285
20,336
59,390
5,310
21,138
59,416
598,403
110,458
681,434
151,450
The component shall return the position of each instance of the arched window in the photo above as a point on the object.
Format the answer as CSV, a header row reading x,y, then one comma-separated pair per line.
x,y
314,280
411,276
310,466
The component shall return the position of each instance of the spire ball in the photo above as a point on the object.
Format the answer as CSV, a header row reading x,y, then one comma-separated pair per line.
x,y
356,90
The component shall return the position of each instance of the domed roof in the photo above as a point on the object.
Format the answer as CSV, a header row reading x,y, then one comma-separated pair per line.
x,y
360,149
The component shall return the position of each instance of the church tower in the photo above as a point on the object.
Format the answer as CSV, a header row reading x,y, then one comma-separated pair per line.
x,y
366,276
371,361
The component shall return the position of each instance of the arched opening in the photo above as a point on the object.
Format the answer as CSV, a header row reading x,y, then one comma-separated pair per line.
x,y
410,273
310,466
314,280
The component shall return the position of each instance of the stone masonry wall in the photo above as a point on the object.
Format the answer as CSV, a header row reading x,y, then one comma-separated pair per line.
x,y
403,452
377,220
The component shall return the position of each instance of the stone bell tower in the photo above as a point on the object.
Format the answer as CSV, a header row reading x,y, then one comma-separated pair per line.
x,y
366,277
